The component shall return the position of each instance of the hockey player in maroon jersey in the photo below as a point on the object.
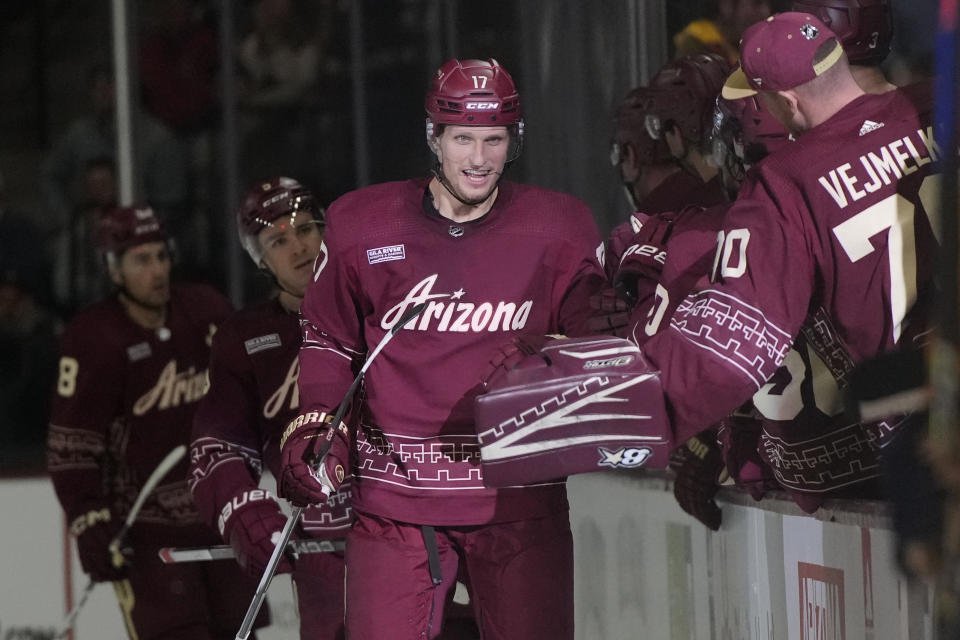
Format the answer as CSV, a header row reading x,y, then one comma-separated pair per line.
x,y
253,395
669,252
660,145
132,369
491,259
865,30
830,238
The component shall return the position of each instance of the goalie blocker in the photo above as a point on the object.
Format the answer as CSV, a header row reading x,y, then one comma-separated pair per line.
x,y
578,405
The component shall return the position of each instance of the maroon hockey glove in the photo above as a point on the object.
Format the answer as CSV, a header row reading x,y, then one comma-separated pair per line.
x,y
611,315
299,446
251,523
94,530
642,262
739,438
508,355
698,464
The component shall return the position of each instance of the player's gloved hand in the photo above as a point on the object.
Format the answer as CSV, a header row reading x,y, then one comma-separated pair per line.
x,y
739,438
251,523
94,529
698,465
642,262
301,443
508,355
611,314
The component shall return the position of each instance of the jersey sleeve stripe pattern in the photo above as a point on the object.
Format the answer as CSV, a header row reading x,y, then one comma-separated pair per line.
x,y
207,454
735,331
69,449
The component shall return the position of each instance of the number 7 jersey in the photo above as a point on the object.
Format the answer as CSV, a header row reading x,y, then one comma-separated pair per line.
x,y
834,230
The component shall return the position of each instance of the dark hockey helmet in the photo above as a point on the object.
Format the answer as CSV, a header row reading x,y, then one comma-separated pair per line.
x,y
743,134
477,93
633,121
267,201
864,27
123,228
690,86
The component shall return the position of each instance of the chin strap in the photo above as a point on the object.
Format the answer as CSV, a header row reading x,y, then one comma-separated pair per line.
x,y
123,291
265,270
438,174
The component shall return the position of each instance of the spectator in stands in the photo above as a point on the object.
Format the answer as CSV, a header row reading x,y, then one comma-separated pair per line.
x,y
78,275
278,63
28,359
720,28
161,167
178,67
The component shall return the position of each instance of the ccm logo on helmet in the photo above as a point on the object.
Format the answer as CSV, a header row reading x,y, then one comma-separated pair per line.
x,y
482,106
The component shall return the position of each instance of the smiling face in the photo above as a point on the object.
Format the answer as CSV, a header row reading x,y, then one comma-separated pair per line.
x,y
472,159
290,247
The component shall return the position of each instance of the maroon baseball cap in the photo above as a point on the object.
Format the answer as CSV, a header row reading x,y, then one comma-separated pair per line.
x,y
779,54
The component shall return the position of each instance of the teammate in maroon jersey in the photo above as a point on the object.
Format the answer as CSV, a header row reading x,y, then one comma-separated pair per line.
x,y
132,370
661,145
490,259
669,252
253,395
830,238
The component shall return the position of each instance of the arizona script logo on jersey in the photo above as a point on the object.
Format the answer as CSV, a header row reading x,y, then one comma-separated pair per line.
x,y
173,388
456,316
287,389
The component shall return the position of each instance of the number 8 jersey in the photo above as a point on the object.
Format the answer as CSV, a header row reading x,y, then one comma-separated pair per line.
x,y
833,231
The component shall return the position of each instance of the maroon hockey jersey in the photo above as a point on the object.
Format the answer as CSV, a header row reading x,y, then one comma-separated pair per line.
x,y
253,395
527,266
125,398
679,191
832,230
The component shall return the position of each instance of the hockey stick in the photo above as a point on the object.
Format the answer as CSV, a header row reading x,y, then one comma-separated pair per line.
x,y
281,544
168,463
173,555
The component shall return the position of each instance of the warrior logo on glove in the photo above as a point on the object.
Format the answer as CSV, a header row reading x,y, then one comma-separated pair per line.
x,y
304,480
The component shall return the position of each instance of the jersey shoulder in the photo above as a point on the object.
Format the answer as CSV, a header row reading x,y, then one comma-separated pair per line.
x,y
263,318
374,210
200,302
104,321
546,212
